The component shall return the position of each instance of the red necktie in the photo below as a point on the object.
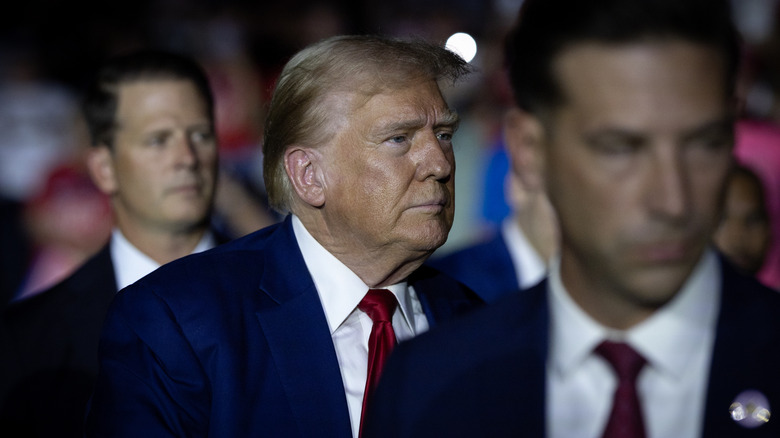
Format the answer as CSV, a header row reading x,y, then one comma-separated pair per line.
x,y
625,420
379,304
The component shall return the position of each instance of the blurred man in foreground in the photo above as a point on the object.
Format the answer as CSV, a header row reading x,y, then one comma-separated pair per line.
x,y
640,329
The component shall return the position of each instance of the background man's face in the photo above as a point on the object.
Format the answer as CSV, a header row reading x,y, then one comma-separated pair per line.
x,y
389,172
165,155
635,163
743,233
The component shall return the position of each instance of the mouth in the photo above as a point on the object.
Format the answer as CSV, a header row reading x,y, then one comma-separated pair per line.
x,y
671,252
186,189
434,205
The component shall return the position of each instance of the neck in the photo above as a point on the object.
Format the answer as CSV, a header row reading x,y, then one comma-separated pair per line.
x,y
604,302
164,246
537,220
376,267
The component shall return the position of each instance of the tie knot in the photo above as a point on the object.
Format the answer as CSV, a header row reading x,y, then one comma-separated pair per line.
x,y
624,359
379,305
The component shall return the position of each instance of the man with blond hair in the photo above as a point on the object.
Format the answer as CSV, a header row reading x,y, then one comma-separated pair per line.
x,y
273,334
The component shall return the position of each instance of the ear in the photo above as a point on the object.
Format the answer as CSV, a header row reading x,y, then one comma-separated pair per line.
x,y
100,163
524,136
303,169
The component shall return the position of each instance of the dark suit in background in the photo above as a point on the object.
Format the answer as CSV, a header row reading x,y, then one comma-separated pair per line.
x,y
485,267
51,362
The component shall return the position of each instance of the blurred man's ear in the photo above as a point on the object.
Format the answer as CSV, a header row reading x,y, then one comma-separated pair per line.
x,y
302,165
100,163
523,136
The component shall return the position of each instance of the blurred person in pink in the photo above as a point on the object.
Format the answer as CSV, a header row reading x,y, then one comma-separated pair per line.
x,y
757,145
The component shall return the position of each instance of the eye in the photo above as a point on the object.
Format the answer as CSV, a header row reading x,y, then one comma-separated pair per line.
x,y
444,136
156,139
399,139
202,136
616,145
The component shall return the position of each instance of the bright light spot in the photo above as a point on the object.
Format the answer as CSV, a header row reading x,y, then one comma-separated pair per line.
x,y
462,44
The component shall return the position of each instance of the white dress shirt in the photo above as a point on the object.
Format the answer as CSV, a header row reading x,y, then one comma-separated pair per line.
x,y
677,342
130,264
530,268
340,291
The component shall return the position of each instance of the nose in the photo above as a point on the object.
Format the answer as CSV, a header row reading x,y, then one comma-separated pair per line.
x,y
669,186
186,152
434,159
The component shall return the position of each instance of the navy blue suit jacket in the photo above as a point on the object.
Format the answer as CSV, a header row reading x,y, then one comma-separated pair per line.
x,y
232,342
484,375
485,267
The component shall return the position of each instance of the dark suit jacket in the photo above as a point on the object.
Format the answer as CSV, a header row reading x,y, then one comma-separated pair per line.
x,y
484,375
232,342
486,268
49,345
49,361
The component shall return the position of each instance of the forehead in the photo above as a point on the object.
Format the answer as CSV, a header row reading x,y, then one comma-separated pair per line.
x,y
159,96
420,99
663,82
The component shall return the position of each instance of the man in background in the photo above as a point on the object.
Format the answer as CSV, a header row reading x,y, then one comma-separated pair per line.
x,y
154,154
640,329
744,232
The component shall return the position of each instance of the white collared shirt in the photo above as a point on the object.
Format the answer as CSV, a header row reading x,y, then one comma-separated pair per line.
x,y
676,341
130,264
529,266
340,291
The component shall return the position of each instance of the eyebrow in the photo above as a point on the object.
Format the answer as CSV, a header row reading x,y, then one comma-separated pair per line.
x,y
448,119
724,125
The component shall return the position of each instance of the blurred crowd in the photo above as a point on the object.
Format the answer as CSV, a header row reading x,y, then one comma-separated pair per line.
x,y
53,217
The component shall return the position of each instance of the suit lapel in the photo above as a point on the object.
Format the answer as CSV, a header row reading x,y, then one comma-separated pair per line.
x,y
299,340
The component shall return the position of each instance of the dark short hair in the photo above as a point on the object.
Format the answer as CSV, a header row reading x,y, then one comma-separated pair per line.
x,y
547,27
101,98
366,64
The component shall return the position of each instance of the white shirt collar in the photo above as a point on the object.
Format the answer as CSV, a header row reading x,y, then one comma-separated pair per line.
x,y
340,289
529,266
130,264
665,339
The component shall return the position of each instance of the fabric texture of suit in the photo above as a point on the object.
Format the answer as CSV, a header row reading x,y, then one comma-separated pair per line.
x,y
485,267
50,344
233,342
484,375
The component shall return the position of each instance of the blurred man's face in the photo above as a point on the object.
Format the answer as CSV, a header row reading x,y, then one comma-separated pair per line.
x,y
635,162
164,159
743,234
389,171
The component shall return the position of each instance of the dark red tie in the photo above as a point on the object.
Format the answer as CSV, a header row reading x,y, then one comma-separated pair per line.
x,y
625,421
379,304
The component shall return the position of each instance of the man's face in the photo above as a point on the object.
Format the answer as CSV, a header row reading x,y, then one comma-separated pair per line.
x,y
635,161
164,157
389,171
743,233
